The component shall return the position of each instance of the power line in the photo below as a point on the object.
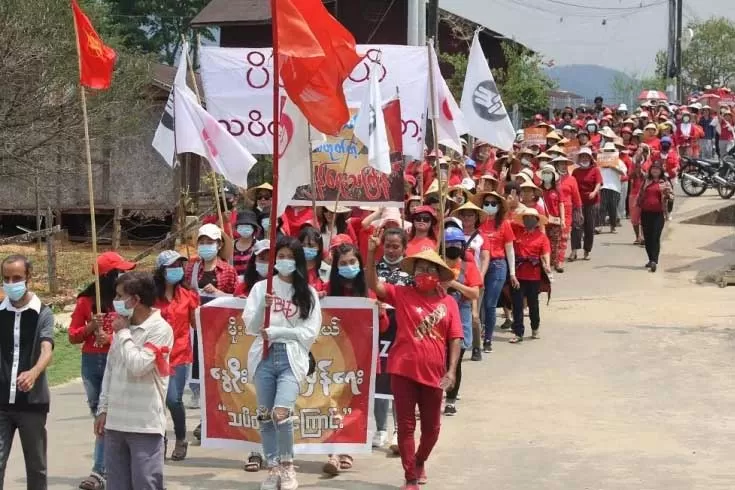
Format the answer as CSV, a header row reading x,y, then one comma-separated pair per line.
x,y
641,6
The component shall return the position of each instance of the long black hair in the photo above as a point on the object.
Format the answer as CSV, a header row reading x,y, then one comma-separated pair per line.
x,y
107,291
302,296
500,215
312,234
251,275
159,277
337,282
340,223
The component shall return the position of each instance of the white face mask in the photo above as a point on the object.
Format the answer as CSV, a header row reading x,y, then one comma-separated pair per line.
x,y
547,178
585,164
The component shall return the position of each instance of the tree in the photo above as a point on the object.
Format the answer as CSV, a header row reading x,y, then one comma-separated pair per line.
x,y
458,62
40,108
627,88
523,82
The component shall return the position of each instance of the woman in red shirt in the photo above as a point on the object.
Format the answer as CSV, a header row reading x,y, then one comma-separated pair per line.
x,y
93,329
555,211
652,198
572,205
428,327
589,181
533,252
313,245
257,268
177,303
423,234
498,237
639,169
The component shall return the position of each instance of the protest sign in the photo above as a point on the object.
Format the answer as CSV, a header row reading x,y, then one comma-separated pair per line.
x,y
572,149
336,402
534,136
238,85
608,159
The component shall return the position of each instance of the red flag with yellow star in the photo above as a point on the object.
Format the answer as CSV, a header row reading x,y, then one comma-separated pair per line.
x,y
96,60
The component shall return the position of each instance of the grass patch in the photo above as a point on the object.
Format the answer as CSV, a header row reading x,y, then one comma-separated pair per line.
x,y
67,361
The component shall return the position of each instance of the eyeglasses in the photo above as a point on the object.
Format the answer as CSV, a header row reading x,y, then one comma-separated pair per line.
x,y
426,270
422,219
263,197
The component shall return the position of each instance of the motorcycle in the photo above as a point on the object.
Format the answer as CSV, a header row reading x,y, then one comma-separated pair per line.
x,y
696,175
724,179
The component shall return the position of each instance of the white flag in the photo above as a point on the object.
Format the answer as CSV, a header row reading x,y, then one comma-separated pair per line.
x,y
293,148
370,126
164,141
450,124
197,131
482,106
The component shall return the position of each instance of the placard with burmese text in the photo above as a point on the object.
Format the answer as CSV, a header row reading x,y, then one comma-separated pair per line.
x,y
333,409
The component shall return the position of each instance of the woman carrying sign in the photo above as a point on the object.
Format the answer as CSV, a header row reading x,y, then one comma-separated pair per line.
x,y
295,319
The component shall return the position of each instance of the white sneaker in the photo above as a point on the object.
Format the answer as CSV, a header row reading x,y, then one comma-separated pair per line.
x,y
288,478
272,481
394,443
380,438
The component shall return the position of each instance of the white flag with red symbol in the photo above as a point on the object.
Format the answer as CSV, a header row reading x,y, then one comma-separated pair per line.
x,y
164,141
482,106
197,131
450,123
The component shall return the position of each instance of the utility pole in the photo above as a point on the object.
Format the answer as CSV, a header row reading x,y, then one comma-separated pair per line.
x,y
679,68
432,23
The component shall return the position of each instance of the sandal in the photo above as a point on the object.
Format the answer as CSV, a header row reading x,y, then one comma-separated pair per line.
x,y
331,467
198,432
180,450
572,257
254,463
516,340
345,462
94,481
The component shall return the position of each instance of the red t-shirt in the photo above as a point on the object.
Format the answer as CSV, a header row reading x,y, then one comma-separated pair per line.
x,y
472,276
552,201
417,245
315,280
425,324
570,195
294,219
530,247
81,315
178,313
726,133
587,180
496,238
652,200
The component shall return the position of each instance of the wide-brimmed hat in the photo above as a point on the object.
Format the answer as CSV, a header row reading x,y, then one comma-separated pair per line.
x,y
471,206
556,149
479,198
110,261
586,151
467,194
527,151
528,184
550,169
651,126
543,124
336,210
489,177
445,273
553,135
254,190
434,188
607,132
522,211
629,121
544,156
562,159
247,217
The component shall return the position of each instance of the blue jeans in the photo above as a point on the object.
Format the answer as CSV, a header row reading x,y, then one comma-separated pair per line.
x,y
93,370
276,387
495,278
174,399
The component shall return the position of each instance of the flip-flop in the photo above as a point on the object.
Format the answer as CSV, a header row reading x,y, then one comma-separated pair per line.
x,y
345,462
254,463
515,340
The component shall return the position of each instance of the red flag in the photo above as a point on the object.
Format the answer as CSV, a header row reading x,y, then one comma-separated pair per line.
x,y
316,54
96,60
394,124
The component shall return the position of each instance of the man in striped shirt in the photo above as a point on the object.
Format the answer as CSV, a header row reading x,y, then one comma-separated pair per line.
x,y
132,405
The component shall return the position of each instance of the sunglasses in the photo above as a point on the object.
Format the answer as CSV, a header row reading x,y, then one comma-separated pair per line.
x,y
422,219
263,197
491,203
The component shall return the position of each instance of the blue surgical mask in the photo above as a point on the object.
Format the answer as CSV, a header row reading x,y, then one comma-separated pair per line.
x,y
349,271
286,267
266,224
310,253
121,309
491,209
245,230
261,268
14,290
207,251
174,275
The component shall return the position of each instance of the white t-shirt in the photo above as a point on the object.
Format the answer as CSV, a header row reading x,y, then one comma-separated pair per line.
x,y
476,246
611,177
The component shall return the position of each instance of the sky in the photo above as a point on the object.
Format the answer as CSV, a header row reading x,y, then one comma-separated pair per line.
x,y
613,33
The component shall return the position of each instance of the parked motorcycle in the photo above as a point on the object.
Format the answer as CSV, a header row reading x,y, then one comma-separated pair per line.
x,y
696,175
724,179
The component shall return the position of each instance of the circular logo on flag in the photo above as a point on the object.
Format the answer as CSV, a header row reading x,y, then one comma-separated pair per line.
x,y
487,103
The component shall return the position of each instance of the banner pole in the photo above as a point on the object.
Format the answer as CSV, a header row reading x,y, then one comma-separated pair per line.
x,y
344,172
439,176
312,179
90,189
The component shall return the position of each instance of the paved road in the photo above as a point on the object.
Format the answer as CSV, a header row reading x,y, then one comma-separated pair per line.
x,y
630,387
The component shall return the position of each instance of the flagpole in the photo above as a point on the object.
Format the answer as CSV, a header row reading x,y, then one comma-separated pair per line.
x,y
311,171
434,117
344,172
215,183
90,190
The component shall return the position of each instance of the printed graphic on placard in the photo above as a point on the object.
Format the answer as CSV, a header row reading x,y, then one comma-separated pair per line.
x,y
333,409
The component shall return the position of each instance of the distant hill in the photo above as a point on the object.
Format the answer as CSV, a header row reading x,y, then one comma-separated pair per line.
x,y
588,81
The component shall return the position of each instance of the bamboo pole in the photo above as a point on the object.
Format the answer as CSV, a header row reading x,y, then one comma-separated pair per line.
x,y
344,172
312,179
434,117
90,189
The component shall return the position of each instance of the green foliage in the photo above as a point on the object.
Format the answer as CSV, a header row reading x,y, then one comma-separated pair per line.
x,y
65,362
458,63
523,82
156,26
710,56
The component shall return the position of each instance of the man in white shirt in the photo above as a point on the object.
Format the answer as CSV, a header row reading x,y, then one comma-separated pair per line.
x,y
611,189
132,405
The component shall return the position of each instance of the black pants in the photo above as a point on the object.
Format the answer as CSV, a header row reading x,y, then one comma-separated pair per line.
x,y
587,229
31,427
609,200
530,291
652,225
452,394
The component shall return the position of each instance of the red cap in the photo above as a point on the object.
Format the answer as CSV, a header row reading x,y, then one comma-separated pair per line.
x,y
425,209
340,239
110,261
